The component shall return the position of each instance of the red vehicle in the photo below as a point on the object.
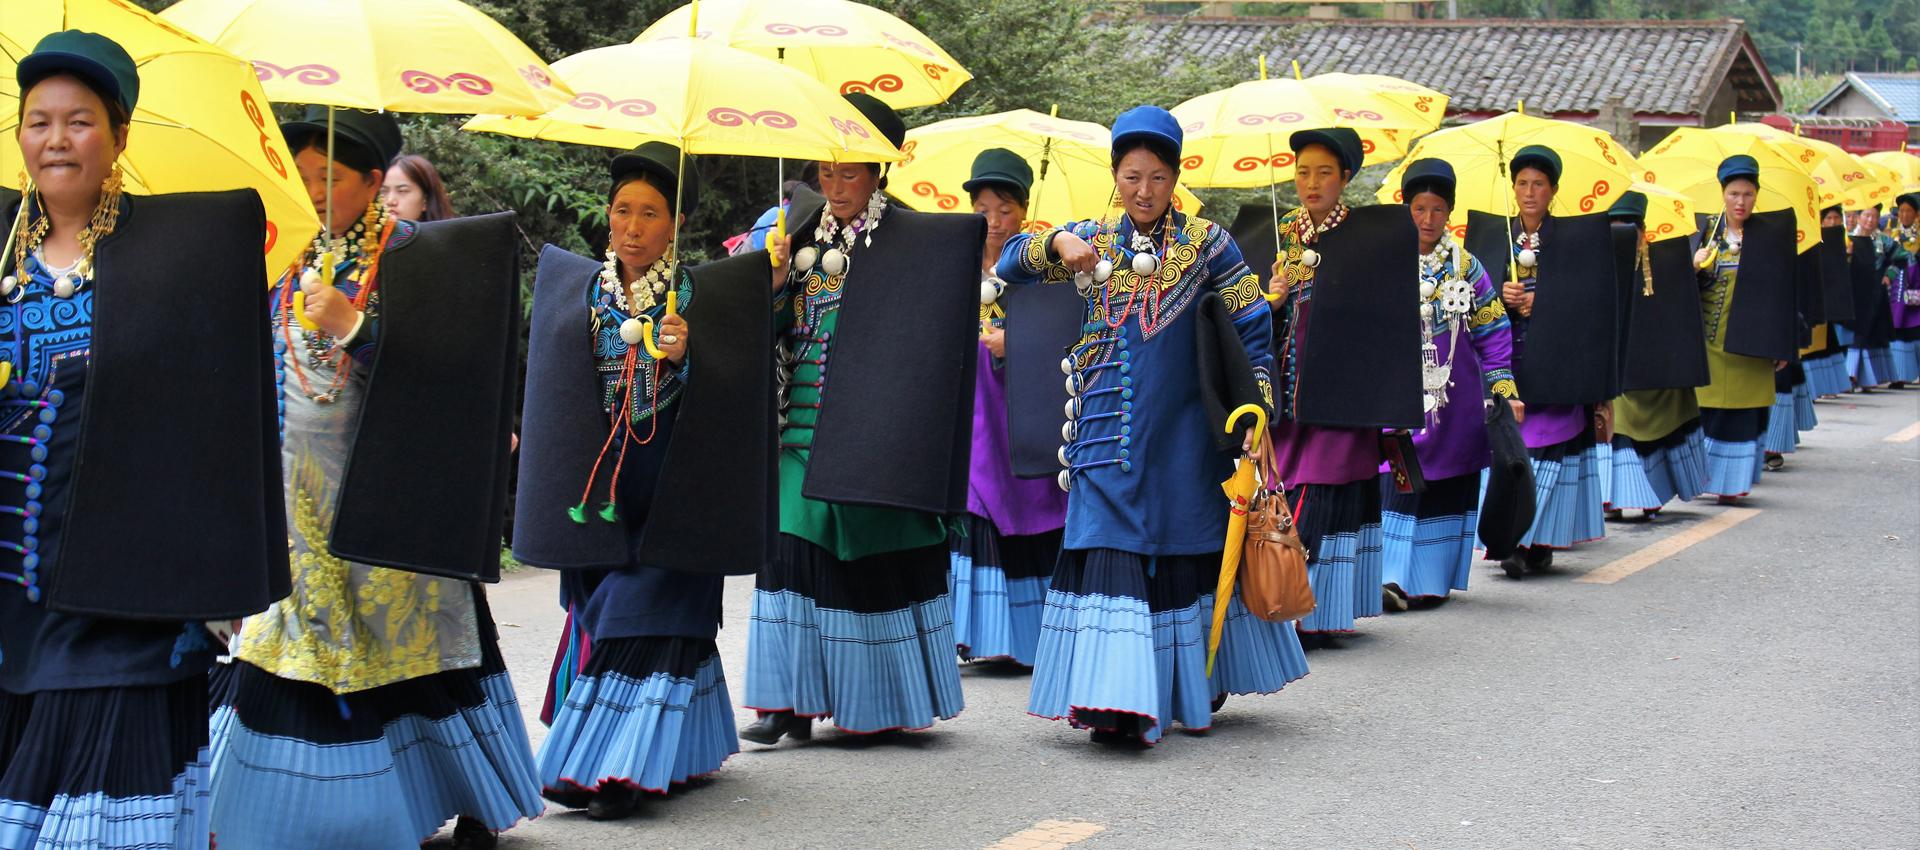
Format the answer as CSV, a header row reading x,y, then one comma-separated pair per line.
x,y
1855,135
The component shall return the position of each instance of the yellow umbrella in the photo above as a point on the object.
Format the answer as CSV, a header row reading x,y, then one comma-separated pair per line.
x,y
1884,184
705,98
1901,163
415,56
202,123
1669,213
851,47
1237,137
1688,161
1239,489
1071,161
1838,177
1595,169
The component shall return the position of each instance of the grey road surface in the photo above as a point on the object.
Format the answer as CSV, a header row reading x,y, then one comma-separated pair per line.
x,y
1756,689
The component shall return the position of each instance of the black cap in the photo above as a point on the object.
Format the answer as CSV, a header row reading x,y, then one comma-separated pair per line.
x,y
1428,175
1737,166
1910,199
662,160
1344,143
1538,157
96,58
880,115
362,141
1002,168
1631,206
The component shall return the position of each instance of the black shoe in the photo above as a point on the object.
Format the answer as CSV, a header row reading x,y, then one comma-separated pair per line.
x,y
1774,462
470,834
1393,599
774,725
1539,558
572,798
1219,702
1126,733
1515,566
615,801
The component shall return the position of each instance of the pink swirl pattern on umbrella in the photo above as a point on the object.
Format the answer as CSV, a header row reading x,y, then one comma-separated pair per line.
x,y
772,119
884,82
306,75
632,107
536,77
851,128
1357,115
259,119
914,46
828,30
1278,118
1282,159
1195,127
426,83
942,200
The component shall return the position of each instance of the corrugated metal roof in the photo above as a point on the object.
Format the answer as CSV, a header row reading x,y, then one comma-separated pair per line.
x,y
1898,94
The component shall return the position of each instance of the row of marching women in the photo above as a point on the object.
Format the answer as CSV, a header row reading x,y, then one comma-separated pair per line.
x,y
256,615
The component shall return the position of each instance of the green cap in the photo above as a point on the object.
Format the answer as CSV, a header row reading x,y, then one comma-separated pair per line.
x,y
1000,167
96,58
1540,157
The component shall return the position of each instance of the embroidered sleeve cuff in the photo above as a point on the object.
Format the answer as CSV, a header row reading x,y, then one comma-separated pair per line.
x,y
1266,387
1502,386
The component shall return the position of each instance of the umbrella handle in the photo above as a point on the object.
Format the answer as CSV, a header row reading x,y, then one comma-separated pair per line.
x,y
779,232
1259,421
647,331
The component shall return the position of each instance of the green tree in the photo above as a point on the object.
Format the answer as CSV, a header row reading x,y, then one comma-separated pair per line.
x,y
1845,39
1878,45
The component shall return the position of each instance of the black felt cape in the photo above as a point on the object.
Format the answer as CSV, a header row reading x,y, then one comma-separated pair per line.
x,y
1666,344
1569,357
1359,363
1762,320
1043,322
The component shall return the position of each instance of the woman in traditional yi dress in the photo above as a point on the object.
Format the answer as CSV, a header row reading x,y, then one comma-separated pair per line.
x,y
1825,361
1124,635
1734,407
641,704
1006,545
1562,438
1430,535
1869,336
372,705
1903,290
103,686
852,618
1659,454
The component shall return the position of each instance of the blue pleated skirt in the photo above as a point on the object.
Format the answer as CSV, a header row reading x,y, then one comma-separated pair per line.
x,y
1734,455
1346,551
1870,366
1782,435
1123,644
1827,374
105,768
297,766
999,589
1805,418
1628,483
868,643
1429,536
648,713
1567,495
1903,359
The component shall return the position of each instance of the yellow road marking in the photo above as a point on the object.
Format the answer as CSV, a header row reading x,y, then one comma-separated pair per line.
x,y
1905,434
1048,835
1667,547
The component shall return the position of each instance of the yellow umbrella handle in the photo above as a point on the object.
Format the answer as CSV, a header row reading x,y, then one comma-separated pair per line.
x,y
1259,422
647,327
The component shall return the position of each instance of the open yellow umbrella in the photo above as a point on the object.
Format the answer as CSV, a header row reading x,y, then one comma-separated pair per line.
x,y
1884,184
1240,490
1839,178
1595,169
1238,137
851,47
202,123
1901,163
704,97
1688,161
1669,213
1071,161
438,56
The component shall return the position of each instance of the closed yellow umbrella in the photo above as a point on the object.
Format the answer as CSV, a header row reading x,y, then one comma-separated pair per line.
x,y
851,47
1688,161
703,97
1239,489
1071,161
202,123
439,56
1238,137
1904,165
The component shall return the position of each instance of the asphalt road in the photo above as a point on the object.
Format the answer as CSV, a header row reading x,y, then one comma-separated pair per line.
x,y
1756,689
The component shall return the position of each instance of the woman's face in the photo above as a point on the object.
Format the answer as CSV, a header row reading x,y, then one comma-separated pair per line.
x,y
1832,218
1144,184
65,139
1318,177
1430,213
847,186
352,193
403,197
639,228
1004,215
1905,214
1739,195
1532,193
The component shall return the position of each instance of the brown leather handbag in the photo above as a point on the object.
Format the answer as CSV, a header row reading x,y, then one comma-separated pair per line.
x,y
1273,569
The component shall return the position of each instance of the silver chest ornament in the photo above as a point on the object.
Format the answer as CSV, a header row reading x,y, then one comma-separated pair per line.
x,y
1085,282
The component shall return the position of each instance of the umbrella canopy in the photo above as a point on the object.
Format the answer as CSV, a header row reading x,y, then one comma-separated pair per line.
x,y
1905,165
703,97
1838,177
852,47
415,56
1238,137
1688,161
1071,161
1595,169
1669,213
202,123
